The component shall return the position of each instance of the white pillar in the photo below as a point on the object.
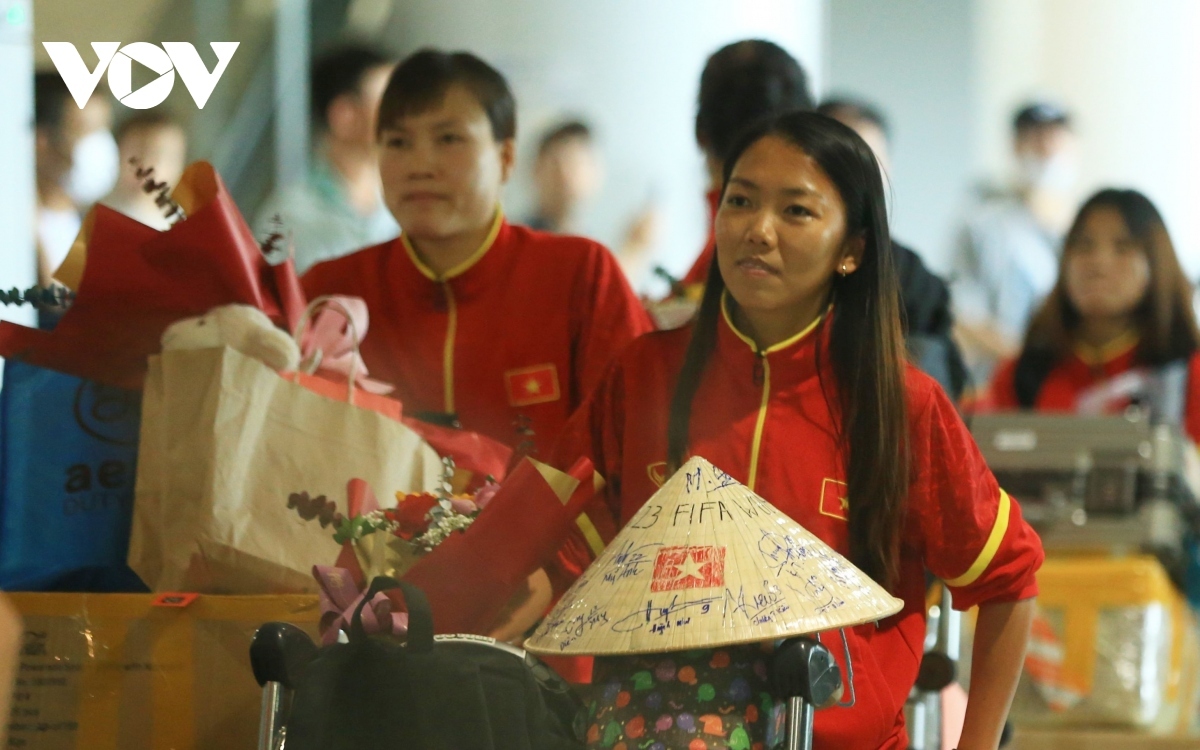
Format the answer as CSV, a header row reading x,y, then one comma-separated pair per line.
x,y
632,69
1128,70
915,61
18,267
291,91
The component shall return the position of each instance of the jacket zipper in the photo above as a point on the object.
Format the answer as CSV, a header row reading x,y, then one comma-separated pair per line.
x,y
762,373
448,348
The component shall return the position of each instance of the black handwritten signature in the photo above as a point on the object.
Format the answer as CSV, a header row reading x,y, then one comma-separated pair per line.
x,y
723,479
574,627
761,608
628,561
660,617
781,552
696,483
818,594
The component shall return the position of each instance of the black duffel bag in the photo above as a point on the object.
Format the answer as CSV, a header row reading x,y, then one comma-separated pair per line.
x,y
448,693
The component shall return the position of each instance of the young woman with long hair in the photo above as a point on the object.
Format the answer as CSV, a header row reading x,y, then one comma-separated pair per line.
x,y
1120,312
793,380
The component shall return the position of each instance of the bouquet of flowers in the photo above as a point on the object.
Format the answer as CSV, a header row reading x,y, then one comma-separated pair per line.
x,y
388,541
469,553
128,282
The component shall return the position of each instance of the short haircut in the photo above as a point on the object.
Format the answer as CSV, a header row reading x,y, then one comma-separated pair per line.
x,y
850,108
340,71
421,81
1040,115
50,99
565,131
745,82
145,120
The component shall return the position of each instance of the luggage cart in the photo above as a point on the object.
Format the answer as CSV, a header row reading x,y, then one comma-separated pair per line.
x,y
279,654
804,672
516,698
939,668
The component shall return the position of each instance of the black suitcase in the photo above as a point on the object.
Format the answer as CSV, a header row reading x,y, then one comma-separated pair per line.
x,y
443,693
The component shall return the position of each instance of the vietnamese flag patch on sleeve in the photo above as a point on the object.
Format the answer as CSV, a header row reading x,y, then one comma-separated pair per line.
x,y
834,502
532,385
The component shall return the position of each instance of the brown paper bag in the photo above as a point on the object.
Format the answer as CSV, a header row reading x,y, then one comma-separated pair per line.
x,y
225,441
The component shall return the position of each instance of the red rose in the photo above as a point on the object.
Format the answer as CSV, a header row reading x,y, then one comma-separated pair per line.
x,y
411,515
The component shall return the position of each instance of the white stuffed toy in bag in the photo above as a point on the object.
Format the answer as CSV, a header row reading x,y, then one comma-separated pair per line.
x,y
241,327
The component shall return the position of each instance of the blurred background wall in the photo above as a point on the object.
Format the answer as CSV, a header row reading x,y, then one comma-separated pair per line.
x,y
917,61
948,73
1130,73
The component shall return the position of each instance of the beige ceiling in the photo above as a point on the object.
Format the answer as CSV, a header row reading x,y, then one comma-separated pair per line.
x,y
85,21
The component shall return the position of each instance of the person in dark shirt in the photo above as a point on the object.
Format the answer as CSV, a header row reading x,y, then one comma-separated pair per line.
x,y
924,296
742,83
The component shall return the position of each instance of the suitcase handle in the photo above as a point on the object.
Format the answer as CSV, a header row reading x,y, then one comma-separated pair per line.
x,y
420,616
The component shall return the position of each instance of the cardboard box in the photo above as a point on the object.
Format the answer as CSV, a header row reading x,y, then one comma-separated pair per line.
x,y
1115,646
108,671
1083,739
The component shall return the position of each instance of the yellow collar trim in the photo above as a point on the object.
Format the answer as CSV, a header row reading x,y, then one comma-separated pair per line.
x,y
776,347
467,264
1099,355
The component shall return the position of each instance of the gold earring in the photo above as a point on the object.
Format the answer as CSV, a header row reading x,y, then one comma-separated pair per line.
x,y
844,270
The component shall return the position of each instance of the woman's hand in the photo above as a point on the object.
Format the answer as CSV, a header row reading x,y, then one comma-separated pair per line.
x,y
524,610
1001,634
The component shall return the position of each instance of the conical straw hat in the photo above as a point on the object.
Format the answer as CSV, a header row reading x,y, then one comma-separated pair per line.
x,y
707,563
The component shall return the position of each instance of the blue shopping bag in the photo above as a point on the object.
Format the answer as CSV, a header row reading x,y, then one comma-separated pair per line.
x,y
68,460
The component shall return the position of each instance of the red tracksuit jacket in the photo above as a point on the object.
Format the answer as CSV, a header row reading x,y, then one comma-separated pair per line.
x,y
698,273
518,334
1085,368
763,419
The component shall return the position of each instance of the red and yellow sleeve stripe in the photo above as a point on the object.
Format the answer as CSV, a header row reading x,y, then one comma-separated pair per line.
x,y
990,547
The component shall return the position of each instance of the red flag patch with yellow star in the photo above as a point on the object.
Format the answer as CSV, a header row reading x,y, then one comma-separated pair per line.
x,y
834,502
688,568
657,473
532,385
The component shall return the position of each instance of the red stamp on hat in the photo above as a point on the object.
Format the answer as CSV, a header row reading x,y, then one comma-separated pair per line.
x,y
678,568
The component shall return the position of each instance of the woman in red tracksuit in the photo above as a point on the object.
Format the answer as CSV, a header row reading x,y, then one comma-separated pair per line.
x,y
1120,313
793,380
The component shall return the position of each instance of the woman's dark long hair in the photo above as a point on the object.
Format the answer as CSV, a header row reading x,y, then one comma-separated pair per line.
x,y
865,344
1165,319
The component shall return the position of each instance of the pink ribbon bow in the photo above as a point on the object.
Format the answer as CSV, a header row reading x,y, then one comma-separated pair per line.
x,y
332,334
340,596
342,585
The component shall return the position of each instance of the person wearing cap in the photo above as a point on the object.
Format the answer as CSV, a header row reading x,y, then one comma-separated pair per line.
x,y
1007,257
478,323
793,380
741,82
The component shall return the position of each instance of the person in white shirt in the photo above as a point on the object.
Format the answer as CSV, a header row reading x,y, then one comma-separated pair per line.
x,y
150,140
75,161
1007,260
338,208
567,173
